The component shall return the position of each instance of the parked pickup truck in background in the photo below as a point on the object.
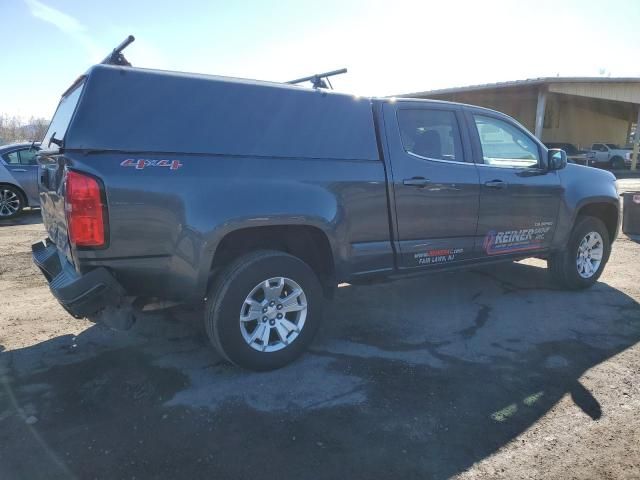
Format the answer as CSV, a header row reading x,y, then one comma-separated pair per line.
x,y
609,155
256,199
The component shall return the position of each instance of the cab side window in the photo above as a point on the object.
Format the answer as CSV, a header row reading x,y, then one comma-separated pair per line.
x,y
431,134
504,145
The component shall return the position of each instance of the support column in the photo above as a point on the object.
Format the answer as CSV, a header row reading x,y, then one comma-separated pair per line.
x,y
632,118
540,108
636,142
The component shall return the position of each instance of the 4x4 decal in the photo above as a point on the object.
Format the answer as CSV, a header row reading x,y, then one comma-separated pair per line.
x,y
141,163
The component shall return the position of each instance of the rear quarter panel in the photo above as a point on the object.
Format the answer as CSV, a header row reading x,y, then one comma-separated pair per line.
x,y
7,177
165,224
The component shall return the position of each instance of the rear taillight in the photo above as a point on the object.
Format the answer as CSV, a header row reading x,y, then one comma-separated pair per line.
x,y
85,211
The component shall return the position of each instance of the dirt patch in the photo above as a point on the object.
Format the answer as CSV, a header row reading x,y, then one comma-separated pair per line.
x,y
493,373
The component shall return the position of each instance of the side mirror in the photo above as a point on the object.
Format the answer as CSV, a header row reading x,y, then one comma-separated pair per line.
x,y
557,159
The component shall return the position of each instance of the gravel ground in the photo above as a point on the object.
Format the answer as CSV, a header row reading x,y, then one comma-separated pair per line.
x,y
492,373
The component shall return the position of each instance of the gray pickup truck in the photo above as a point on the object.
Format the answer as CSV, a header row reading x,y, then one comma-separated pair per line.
x,y
256,199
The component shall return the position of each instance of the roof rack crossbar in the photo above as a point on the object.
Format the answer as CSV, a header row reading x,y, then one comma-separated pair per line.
x,y
319,80
116,57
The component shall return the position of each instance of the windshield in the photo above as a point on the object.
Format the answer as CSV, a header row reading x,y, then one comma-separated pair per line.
x,y
58,126
613,146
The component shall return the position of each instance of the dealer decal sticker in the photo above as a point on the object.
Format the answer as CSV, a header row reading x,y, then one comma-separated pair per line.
x,y
511,241
142,163
436,256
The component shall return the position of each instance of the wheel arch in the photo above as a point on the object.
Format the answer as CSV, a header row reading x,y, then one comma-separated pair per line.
x,y
309,243
606,211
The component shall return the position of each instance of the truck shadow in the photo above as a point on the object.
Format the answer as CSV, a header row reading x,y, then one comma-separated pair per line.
x,y
634,238
417,379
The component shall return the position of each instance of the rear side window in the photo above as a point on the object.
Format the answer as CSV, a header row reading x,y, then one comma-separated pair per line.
x,y
60,122
431,134
504,145
21,157
12,158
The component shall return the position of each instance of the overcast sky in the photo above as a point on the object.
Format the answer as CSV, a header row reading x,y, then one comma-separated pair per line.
x,y
389,47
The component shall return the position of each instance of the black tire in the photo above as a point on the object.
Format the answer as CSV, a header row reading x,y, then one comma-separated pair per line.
x,y
563,266
227,296
6,190
617,163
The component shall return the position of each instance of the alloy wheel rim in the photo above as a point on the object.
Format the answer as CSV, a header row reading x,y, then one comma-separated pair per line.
x,y
9,202
589,256
273,314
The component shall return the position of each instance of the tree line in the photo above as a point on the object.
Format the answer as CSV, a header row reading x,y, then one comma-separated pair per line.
x,y
15,129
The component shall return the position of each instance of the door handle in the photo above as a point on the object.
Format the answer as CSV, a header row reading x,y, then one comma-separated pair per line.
x,y
419,182
18,169
497,184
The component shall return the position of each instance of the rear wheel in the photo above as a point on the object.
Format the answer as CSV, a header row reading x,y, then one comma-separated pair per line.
x,y
11,202
582,261
264,310
617,163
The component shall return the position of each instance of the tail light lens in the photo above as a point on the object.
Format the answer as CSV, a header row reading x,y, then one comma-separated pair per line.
x,y
86,213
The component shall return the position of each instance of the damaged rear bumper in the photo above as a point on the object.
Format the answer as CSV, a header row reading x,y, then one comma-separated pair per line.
x,y
81,295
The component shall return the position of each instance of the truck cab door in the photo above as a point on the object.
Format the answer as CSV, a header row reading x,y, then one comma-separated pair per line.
x,y
519,196
434,184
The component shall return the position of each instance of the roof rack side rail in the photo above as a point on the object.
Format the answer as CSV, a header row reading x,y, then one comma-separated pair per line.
x,y
116,57
319,80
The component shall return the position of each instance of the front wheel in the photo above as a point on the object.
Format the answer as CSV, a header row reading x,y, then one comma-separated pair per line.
x,y
582,261
264,310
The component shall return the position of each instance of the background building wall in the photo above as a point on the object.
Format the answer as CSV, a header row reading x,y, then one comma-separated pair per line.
x,y
583,121
569,117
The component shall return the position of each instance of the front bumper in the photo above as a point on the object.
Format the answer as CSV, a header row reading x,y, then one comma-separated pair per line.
x,y
80,295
